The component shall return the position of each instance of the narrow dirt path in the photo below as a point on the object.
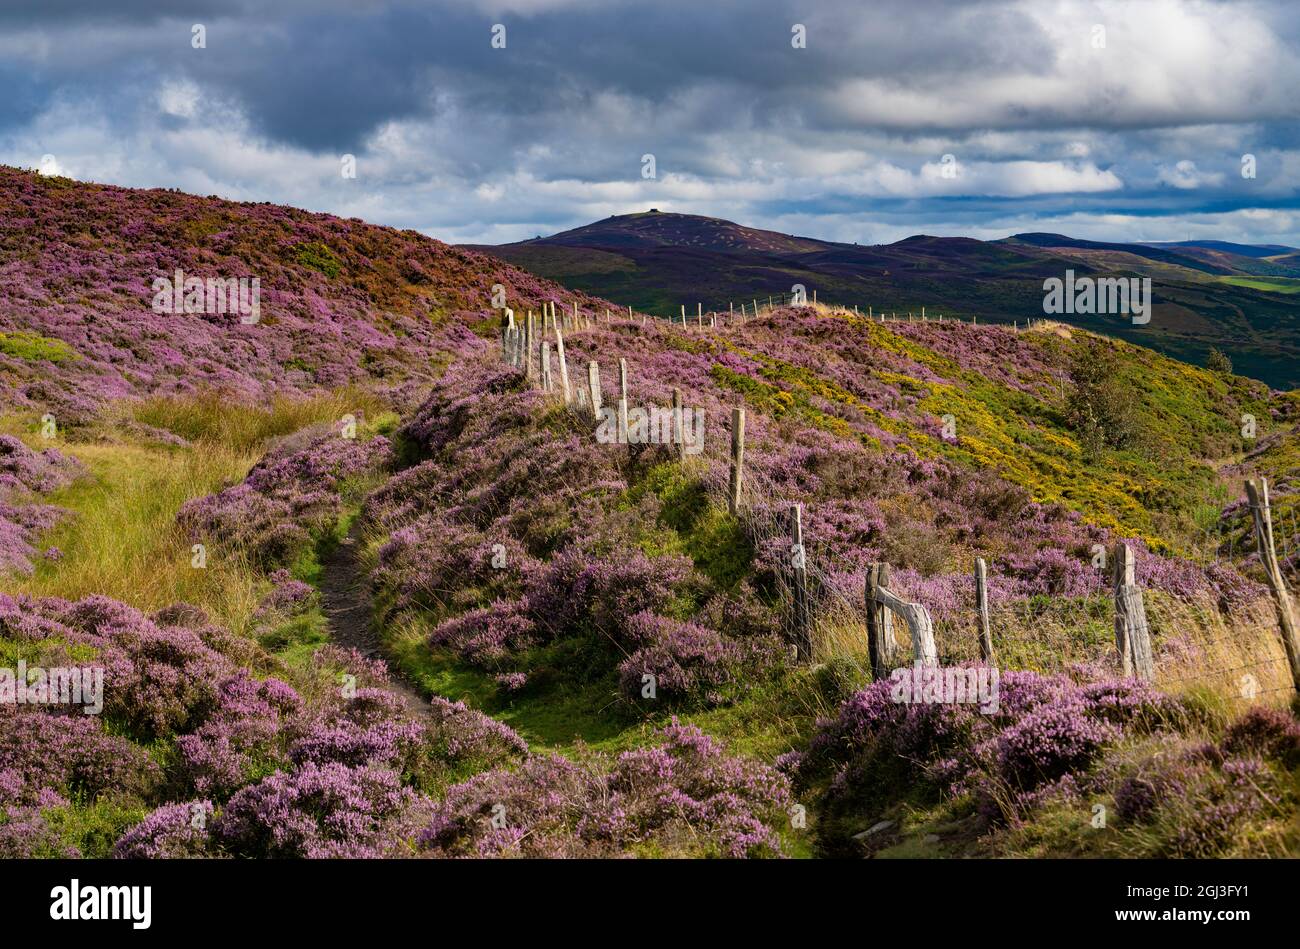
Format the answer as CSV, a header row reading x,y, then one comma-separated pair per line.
x,y
346,601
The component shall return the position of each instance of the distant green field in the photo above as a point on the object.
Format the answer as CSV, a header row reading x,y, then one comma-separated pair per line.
x,y
1272,284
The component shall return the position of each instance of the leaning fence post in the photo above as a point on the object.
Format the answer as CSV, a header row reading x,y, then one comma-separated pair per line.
x,y
798,559
1132,636
1263,517
564,368
737,457
982,609
918,622
593,382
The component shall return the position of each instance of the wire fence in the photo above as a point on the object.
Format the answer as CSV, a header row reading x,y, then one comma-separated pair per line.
x,y
1199,640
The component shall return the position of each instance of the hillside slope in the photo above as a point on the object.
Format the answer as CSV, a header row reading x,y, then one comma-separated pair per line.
x,y
341,301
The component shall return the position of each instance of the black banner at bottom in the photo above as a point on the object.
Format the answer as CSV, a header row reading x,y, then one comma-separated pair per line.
x,y
336,898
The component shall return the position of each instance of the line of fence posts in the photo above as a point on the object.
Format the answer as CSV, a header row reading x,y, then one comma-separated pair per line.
x,y
1132,632
1286,618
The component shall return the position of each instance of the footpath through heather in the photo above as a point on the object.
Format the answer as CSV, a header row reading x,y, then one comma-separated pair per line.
x,y
346,603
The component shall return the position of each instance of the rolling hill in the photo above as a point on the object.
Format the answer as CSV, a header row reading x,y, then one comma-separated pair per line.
x,y
1210,294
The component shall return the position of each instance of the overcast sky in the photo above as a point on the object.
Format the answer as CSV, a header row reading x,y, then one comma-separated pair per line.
x,y
1104,120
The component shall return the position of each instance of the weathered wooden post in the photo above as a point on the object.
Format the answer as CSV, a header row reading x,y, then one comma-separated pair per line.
x,y
889,643
546,365
564,368
982,609
1286,616
678,436
529,344
737,458
699,315
876,642
756,308
622,399
918,621
799,563
593,382
683,316
1132,636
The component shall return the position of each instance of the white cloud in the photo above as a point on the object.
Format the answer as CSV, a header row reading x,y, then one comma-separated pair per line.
x,y
1187,176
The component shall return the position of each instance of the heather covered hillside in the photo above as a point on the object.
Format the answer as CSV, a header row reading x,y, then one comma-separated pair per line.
x,y
341,301
360,586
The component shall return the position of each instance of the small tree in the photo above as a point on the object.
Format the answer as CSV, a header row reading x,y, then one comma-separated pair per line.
x,y
1100,404
1218,362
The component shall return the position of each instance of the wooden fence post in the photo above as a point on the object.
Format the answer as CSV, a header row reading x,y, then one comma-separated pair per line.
x,y
683,316
1132,636
546,365
1286,617
564,368
622,399
677,424
875,634
798,560
982,609
885,620
737,457
593,382
529,343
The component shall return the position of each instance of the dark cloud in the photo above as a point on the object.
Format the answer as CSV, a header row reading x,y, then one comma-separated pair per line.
x,y
457,137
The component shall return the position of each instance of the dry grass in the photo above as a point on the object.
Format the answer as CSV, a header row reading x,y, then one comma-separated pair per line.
x,y
122,540
212,416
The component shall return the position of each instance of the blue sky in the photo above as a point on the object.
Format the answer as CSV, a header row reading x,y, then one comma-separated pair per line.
x,y
1103,120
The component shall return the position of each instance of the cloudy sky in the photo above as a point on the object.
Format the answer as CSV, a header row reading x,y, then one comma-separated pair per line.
x,y
1104,120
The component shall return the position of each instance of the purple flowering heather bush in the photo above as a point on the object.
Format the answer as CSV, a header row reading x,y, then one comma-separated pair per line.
x,y
25,473
1046,734
318,772
290,498
682,796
